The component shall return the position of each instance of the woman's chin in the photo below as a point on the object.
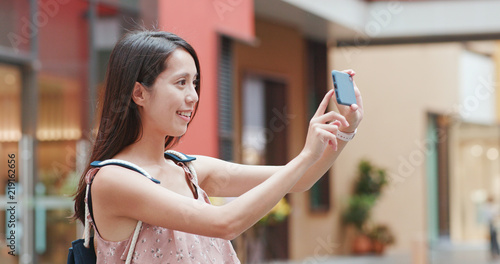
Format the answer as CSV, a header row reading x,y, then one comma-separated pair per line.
x,y
177,133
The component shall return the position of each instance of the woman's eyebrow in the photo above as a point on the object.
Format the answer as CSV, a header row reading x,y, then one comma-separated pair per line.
x,y
184,75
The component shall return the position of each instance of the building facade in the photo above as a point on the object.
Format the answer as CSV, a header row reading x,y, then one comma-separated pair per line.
x,y
53,57
430,112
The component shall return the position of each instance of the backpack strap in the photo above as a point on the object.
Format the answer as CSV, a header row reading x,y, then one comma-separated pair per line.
x,y
90,177
181,157
125,164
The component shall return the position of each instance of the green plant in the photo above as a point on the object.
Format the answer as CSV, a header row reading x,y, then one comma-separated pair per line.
x,y
367,189
382,234
371,180
358,210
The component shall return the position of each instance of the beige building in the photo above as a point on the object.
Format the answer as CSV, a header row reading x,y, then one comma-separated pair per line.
x,y
431,117
419,126
427,71
421,119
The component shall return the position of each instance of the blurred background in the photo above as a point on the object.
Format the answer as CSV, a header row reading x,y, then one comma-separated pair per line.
x,y
412,187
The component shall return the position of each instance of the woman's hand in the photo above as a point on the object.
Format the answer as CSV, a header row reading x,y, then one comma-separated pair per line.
x,y
354,113
323,129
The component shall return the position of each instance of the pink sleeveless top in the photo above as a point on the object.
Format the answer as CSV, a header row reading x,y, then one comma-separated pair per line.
x,y
157,245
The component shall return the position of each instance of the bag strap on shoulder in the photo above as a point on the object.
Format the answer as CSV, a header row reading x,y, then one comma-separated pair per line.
x,y
177,156
181,157
125,164
128,165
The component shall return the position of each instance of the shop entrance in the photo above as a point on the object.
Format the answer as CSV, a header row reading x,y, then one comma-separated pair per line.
x,y
476,177
35,202
264,141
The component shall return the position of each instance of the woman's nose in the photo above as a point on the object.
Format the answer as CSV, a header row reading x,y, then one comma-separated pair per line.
x,y
192,96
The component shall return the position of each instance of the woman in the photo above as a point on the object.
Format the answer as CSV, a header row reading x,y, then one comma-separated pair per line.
x,y
151,95
491,212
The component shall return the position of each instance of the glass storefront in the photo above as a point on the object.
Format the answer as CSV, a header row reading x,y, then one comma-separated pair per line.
x,y
10,134
72,43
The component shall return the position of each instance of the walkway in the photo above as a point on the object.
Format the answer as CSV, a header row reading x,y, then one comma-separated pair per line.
x,y
464,254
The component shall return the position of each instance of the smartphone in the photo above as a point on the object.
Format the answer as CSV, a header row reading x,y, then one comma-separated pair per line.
x,y
344,88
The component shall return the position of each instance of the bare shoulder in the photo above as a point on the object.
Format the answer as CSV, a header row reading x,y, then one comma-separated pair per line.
x,y
117,191
113,178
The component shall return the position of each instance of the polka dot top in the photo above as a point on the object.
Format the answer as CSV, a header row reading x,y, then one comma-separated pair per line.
x,y
156,244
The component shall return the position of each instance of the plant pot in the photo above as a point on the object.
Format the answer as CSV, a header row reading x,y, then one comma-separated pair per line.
x,y
378,247
361,245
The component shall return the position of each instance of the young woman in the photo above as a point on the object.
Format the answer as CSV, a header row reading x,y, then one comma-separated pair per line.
x,y
151,95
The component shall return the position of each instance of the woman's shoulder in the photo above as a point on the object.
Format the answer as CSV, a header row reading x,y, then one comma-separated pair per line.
x,y
115,174
124,164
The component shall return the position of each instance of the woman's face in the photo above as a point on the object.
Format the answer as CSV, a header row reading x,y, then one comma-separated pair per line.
x,y
172,98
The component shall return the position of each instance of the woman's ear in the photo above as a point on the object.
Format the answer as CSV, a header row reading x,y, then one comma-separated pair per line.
x,y
139,94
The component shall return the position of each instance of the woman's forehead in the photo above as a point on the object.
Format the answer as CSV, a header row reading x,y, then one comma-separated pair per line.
x,y
181,62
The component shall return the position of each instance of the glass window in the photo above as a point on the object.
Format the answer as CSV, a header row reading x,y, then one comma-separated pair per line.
x,y
319,195
64,97
62,103
10,107
66,56
10,134
264,142
225,99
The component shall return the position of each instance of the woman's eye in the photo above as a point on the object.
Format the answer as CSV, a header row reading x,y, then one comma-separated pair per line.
x,y
182,82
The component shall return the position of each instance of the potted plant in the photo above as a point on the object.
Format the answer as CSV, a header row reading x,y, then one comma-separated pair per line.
x,y
357,214
371,180
367,189
381,236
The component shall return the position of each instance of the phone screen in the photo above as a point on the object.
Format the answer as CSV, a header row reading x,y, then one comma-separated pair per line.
x,y
344,88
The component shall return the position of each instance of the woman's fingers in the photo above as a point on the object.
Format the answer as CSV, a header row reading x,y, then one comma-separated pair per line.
x,y
324,126
330,117
327,137
328,133
359,98
324,104
350,72
332,128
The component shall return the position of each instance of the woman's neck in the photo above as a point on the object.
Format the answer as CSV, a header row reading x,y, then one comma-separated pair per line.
x,y
148,150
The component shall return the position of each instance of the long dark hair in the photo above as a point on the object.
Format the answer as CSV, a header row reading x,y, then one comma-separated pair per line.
x,y
137,57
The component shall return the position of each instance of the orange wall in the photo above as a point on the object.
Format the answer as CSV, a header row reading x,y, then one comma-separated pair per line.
x,y
200,23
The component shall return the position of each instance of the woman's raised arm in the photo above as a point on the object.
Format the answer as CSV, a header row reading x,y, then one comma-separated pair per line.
x,y
131,196
225,179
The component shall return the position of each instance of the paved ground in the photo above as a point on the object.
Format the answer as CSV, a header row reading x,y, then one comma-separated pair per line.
x,y
465,254
461,254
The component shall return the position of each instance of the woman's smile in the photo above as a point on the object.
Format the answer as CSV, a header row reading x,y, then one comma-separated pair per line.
x,y
184,115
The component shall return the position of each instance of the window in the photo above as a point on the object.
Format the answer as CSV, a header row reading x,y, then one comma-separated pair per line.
x,y
225,100
319,195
